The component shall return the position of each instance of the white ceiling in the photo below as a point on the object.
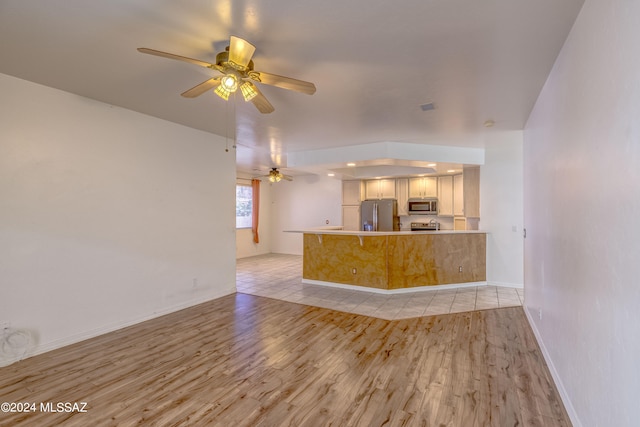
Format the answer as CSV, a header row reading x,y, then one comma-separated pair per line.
x,y
374,64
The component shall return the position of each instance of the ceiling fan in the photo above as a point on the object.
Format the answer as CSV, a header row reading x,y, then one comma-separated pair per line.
x,y
236,68
276,176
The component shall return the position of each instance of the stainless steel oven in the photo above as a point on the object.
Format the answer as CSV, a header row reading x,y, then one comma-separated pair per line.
x,y
432,225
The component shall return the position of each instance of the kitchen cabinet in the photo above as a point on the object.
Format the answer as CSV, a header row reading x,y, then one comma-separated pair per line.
x,y
458,195
351,192
351,218
423,187
459,223
471,191
380,189
466,193
445,195
402,194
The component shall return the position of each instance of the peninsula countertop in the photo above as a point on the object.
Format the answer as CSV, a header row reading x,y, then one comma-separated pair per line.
x,y
338,231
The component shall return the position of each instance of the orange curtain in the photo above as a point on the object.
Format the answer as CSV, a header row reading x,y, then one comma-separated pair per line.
x,y
255,208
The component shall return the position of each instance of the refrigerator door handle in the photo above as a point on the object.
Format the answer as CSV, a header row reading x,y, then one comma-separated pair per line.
x,y
375,216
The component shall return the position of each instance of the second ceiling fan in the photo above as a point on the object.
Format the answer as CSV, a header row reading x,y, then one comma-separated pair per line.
x,y
237,72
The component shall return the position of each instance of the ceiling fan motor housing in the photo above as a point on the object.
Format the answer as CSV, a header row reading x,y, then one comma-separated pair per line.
x,y
222,60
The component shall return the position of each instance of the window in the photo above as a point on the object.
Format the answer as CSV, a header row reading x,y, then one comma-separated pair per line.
x,y
243,206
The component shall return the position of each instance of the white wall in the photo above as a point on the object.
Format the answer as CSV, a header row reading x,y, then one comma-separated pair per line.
x,y
306,202
582,214
107,216
245,247
501,208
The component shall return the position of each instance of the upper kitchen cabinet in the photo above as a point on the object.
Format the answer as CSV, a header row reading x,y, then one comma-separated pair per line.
x,y
445,195
351,192
471,178
458,196
402,195
380,189
423,187
466,193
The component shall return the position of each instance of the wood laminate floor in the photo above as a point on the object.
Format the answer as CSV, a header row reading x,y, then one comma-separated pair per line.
x,y
245,360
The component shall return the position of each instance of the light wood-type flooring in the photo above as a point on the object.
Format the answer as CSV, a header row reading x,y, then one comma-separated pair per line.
x,y
244,360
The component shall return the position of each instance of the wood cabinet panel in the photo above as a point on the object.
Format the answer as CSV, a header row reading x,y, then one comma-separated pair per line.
x,y
351,218
445,196
458,195
395,261
471,177
351,192
380,189
402,194
433,259
336,257
423,187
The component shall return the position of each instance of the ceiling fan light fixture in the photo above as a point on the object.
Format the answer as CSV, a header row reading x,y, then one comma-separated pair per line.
x,y
275,176
222,92
248,91
230,82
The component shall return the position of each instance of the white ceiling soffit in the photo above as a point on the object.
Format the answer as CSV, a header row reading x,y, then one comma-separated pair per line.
x,y
382,171
388,153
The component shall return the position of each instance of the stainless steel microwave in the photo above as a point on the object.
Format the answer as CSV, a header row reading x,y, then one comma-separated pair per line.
x,y
423,206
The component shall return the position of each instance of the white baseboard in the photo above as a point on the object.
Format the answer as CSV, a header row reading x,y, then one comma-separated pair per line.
x,y
506,284
573,415
393,291
72,339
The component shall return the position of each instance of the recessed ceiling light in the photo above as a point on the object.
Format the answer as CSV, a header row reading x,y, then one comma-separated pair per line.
x,y
331,174
451,171
351,164
432,165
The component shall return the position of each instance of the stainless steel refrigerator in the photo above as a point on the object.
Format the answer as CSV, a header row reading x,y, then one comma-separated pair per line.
x,y
379,215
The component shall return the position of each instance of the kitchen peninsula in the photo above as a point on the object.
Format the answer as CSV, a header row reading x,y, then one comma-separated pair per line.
x,y
394,260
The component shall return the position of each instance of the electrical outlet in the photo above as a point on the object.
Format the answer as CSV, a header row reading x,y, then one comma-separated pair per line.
x,y
460,269
195,282
354,271
540,313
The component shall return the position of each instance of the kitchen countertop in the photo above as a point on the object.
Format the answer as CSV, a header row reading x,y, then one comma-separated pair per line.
x,y
333,230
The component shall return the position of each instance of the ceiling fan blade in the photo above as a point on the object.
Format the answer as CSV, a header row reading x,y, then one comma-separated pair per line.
x,y
178,57
240,51
201,88
286,177
262,104
284,82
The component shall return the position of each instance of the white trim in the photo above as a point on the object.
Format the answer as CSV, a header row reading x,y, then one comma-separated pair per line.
x,y
573,415
506,285
393,291
63,342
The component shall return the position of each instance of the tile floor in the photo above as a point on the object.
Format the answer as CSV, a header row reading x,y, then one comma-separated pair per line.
x,y
279,276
